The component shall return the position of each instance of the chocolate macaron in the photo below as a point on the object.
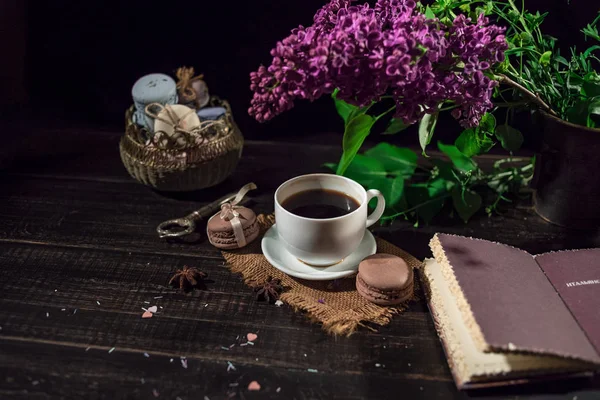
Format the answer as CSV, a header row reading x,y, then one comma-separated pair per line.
x,y
385,279
221,234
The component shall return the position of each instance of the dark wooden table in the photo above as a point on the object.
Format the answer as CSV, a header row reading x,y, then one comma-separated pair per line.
x,y
80,258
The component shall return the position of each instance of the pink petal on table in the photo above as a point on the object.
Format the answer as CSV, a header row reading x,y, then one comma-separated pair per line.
x,y
254,386
153,309
251,337
147,314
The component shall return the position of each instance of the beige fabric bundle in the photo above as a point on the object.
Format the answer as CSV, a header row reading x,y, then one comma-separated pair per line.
x,y
334,304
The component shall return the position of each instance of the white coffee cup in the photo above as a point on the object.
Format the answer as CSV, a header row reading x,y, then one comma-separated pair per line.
x,y
326,241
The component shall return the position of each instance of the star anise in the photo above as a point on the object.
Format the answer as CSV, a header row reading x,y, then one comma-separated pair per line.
x,y
188,278
270,290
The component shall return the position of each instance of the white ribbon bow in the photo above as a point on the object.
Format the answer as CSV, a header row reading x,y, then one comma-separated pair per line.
x,y
229,213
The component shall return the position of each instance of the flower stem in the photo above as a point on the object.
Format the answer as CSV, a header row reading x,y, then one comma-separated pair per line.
x,y
511,104
384,113
521,19
534,98
448,108
496,176
415,207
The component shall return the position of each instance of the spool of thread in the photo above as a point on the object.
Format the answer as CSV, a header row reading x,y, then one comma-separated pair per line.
x,y
152,88
202,95
211,113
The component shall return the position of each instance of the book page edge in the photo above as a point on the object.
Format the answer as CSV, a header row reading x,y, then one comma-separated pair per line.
x,y
565,251
461,300
443,326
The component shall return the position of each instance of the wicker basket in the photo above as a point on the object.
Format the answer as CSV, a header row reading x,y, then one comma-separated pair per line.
x,y
189,168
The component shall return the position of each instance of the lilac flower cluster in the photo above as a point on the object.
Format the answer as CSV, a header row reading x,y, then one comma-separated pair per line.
x,y
391,48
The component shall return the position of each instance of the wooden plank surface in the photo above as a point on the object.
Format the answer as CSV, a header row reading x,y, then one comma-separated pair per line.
x,y
70,211
30,370
80,258
187,324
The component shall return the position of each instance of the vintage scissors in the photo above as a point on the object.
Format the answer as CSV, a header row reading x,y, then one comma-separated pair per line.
x,y
179,227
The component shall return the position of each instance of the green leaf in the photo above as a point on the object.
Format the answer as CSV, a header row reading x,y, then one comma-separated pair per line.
x,y
486,10
391,188
331,166
365,170
428,198
400,160
503,67
439,186
513,15
591,30
561,60
584,62
488,123
428,207
466,203
578,113
527,72
465,8
591,89
489,7
466,142
345,110
459,160
394,191
590,50
429,14
445,169
354,135
520,50
426,129
472,143
510,138
446,21
526,37
545,58
594,107
396,125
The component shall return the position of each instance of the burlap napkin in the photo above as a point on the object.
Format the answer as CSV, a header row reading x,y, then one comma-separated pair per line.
x,y
334,304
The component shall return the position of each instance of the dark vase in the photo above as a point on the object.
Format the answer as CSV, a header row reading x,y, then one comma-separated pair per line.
x,y
567,174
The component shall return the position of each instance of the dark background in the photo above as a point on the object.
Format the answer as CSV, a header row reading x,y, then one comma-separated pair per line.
x,y
74,62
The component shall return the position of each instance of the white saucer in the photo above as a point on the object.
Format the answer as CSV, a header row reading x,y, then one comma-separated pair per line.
x,y
281,259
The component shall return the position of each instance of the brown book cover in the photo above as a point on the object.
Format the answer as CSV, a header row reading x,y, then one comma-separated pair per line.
x,y
504,315
575,275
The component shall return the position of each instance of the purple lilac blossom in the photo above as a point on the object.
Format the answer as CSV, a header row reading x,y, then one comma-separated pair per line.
x,y
391,48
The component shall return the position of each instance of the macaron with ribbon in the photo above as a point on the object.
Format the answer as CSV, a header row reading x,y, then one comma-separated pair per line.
x,y
234,226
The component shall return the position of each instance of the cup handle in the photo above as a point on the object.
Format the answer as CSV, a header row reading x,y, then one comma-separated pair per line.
x,y
375,215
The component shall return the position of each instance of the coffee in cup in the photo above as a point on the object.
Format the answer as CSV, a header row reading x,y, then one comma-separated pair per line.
x,y
320,203
322,218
